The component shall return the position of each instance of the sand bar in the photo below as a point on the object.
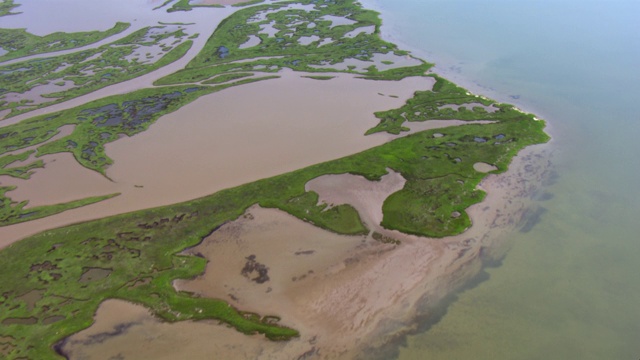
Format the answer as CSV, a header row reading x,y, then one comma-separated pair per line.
x,y
360,297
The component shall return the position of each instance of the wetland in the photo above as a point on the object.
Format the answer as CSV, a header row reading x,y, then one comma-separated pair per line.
x,y
309,189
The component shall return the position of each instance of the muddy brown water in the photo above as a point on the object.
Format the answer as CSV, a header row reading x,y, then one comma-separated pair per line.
x,y
377,289
221,140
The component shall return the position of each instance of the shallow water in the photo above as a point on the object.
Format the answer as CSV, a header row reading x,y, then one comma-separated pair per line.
x,y
570,286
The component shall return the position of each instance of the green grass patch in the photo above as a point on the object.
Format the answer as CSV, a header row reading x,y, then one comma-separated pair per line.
x,y
226,78
20,43
319,77
185,5
21,172
6,6
247,3
222,50
14,213
428,105
145,244
87,70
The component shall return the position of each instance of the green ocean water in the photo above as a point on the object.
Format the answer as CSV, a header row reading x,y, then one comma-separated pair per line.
x,y
570,287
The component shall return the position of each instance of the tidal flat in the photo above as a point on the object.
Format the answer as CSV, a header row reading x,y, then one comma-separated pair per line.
x,y
254,127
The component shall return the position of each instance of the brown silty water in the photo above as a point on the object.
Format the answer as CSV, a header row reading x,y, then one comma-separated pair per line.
x,y
221,140
346,295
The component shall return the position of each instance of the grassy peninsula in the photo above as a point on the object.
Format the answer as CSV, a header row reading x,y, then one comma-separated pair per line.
x,y
19,43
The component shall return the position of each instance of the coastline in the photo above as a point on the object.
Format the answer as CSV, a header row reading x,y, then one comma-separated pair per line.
x,y
448,67
389,286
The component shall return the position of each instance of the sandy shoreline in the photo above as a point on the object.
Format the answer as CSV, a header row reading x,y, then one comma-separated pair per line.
x,y
350,297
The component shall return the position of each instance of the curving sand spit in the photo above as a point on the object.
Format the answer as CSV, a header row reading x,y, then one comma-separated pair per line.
x,y
350,297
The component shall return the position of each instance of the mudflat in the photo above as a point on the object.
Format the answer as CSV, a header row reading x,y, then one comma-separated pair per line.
x,y
348,295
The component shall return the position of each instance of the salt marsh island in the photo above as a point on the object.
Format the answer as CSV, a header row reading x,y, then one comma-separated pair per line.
x,y
264,178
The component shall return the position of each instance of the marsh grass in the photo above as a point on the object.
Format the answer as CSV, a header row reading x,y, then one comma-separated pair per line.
x,y
143,249
19,43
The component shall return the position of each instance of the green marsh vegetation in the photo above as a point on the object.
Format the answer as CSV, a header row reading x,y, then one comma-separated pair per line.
x,y
100,122
19,43
20,172
184,5
6,6
95,124
14,213
432,105
280,28
42,299
142,249
33,84
247,3
319,77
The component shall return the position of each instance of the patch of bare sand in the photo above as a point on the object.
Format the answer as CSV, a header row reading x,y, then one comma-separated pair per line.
x,y
362,296
221,140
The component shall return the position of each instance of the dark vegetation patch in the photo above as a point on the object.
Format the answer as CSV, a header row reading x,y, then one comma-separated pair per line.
x,y
319,77
305,252
252,266
531,218
384,239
